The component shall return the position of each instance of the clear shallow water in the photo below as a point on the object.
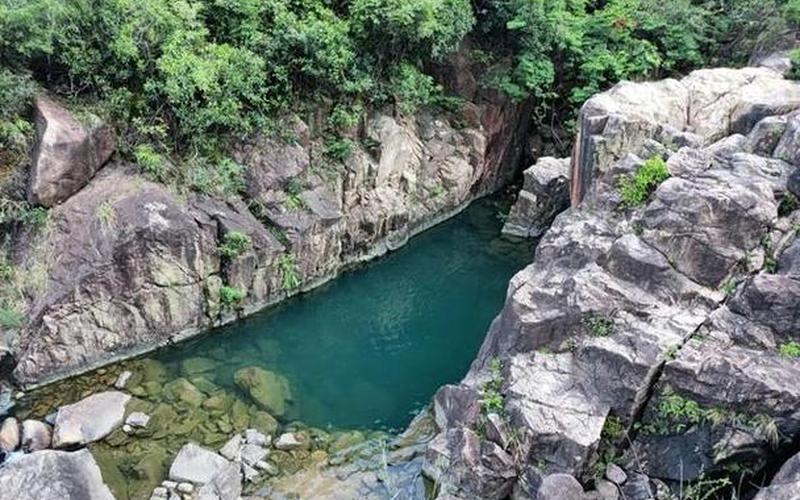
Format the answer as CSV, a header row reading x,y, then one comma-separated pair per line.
x,y
369,349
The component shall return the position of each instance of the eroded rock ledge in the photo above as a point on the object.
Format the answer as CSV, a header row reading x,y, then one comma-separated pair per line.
x,y
126,265
657,337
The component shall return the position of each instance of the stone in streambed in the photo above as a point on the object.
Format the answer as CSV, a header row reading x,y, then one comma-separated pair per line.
x,y
267,389
197,366
264,422
291,441
184,391
90,419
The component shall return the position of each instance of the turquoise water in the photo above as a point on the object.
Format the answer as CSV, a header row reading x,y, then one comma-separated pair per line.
x,y
369,349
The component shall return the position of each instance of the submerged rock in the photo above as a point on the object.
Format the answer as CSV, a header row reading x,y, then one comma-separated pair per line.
x,y
90,419
53,475
267,389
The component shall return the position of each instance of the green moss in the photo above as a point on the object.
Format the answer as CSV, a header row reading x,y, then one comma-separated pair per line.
x,y
790,349
635,189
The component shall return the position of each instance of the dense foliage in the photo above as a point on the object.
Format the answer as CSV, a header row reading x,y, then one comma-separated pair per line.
x,y
180,76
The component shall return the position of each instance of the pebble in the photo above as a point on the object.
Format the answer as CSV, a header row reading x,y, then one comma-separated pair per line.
x,y
171,485
185,487
122,380
127,429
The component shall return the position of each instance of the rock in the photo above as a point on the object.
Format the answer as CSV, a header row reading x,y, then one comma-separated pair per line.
x,y
604,490
267,467
253,436
54,475
289,441
615,474
637,488
90,419
544,194
560,487
785,485
197,465
226,484
264,422
793,183
138,419
497,430
36,435
9,435
6,399
197,365
123,379
789,143
184,391
454,405
67,152
267,389
232,448
252,454
464,466
186,488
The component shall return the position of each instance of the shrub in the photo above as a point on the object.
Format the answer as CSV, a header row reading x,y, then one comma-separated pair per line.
x,y
10,317
152,162
231,297
290,272
599,326
637,188
492,399
338,148
413,89
794,56
234,244
789,203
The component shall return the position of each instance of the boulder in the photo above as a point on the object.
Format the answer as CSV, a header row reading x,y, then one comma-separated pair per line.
x,y
90,419
544,194
456,405
267,389
785,485
197,465
560,487
54,475
290,441
36,435
67,152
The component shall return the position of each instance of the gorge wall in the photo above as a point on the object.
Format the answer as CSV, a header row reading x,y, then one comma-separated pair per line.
x,y
655,337
126,264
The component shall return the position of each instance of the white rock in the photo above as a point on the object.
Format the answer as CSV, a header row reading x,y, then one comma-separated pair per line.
x,y
138,419
267,467
90,419
231,450
53,475
36,435
122,380
160,491
171,485
252,454
196,465
127,429
185,487
9,434
253,436
287,442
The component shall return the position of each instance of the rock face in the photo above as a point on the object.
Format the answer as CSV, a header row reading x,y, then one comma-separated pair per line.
x,y
54,475
657,332
90,419
544,194
138,266
68,153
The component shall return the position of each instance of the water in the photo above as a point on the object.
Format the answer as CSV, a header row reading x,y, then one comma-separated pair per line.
x,y
369,349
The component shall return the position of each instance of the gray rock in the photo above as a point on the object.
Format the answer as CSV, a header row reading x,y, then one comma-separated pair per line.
x,y
36,435
462,465
90,419
456,405
603,490
788,148
560,487
615,474
54,475
764,137
6,398
793,183
637,488
67,153
226,484
786,483
544,194
197,465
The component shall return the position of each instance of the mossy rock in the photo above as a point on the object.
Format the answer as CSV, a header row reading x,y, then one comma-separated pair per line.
x,y
184,391
107,462
346,440
204,385
220,402
197,365
264,422
239,415
152,371
269,390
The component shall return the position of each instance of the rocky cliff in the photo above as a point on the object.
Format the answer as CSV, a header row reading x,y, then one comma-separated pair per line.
x,y
653,342
126,264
